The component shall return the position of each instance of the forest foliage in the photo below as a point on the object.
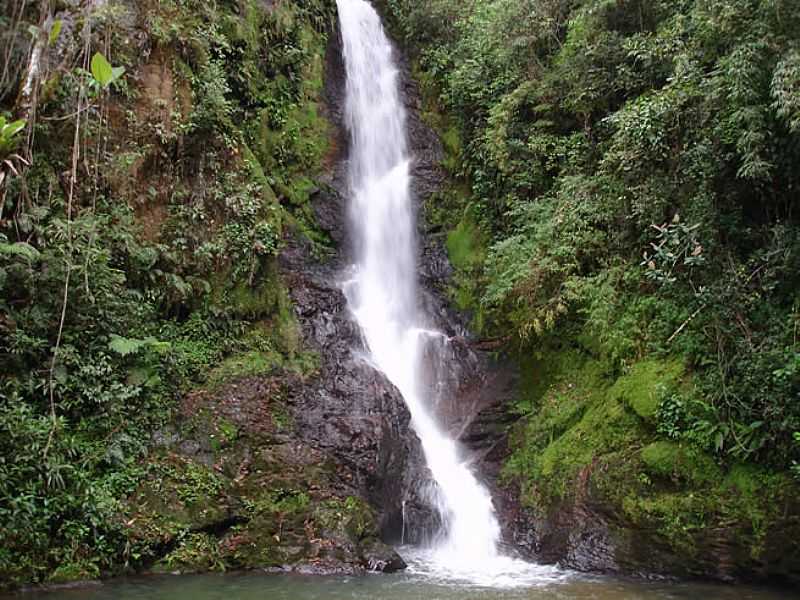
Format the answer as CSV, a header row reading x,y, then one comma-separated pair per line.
x,y
633,166
151,157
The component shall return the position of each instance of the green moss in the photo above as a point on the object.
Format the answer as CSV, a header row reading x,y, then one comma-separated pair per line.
x,y
758,497
465,244
253,302
582,436
280,501
573,422
177,497
466,248
244,365
678,518
74,571
437,119
639,387
676,461
451,139
282,418
350,517
257,173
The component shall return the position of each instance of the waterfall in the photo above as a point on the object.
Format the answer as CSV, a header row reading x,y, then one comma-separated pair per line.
x,y
382,296
382,292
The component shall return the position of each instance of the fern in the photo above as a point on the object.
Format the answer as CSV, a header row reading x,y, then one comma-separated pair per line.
x,y
20,249
786,90
126,346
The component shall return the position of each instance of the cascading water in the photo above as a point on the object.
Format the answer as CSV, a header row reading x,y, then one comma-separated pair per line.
x,y
382,292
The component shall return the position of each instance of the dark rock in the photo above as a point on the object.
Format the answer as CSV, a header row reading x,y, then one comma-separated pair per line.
x,y
379,558
189,447
325,567
166,436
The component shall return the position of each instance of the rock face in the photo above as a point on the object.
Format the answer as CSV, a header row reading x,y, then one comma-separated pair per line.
x,y
303,472
237,486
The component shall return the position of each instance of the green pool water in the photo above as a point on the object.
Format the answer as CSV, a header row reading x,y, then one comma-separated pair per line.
x,y
418,583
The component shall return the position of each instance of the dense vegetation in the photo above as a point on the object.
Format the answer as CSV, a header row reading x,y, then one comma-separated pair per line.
x,y
623,220
152,155
632,180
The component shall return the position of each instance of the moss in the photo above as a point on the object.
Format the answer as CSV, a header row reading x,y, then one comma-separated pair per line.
x,y
465,244
639,387
74,571
350,517
758,497
582,436
437,119
180,494
678,517
681,462
573,422
253,302
244,365
466,248
279,502
257,173
282,418
287,329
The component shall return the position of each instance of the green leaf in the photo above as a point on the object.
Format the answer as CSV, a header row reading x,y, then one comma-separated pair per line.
x,y
143,377
118,72
126,346
55,31
22,249
102,70
11,129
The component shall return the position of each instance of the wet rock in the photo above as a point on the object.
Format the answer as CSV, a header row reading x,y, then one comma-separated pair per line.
x,y
166,436
189,447
377,557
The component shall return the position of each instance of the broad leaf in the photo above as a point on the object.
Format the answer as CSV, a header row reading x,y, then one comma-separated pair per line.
x,y
11,129
102,70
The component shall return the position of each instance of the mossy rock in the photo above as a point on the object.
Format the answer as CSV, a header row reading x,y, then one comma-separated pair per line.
x,y
196,553
74,571
466,246
179,495
242,365
671,460
640,387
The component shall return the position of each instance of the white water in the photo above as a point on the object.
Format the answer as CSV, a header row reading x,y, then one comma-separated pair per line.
x,y
383,297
